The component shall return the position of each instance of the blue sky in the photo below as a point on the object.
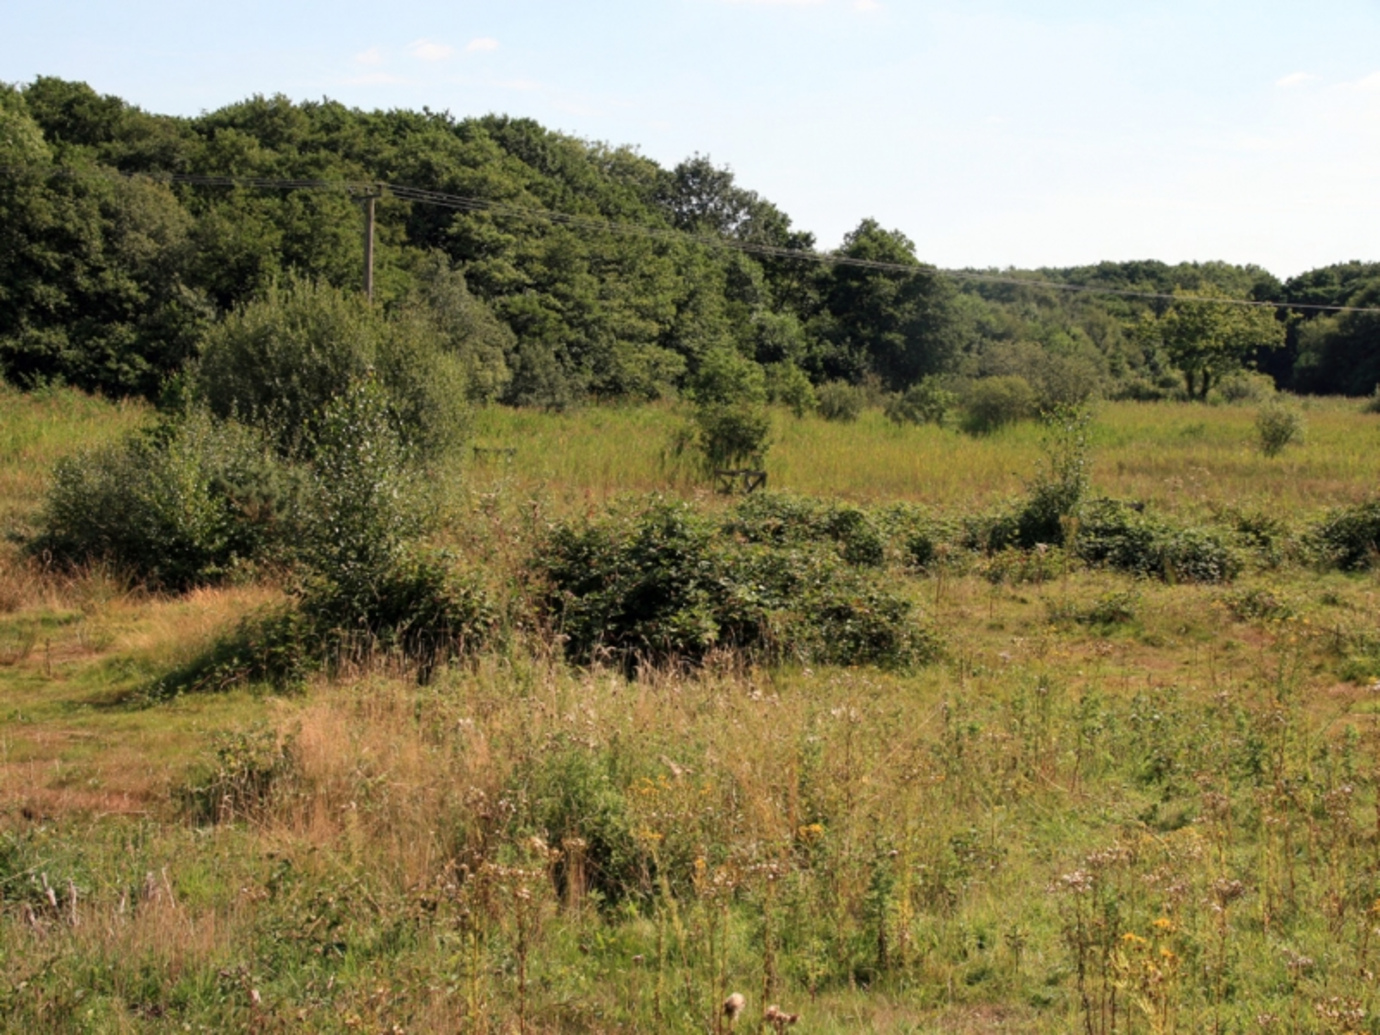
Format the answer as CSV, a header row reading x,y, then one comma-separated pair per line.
x,y
992,133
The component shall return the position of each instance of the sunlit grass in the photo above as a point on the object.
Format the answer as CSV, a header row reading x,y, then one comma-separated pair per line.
x,y
1177,455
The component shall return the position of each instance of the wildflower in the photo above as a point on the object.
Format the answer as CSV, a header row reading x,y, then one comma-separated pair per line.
x,y
778,1018
733,1006
1164,924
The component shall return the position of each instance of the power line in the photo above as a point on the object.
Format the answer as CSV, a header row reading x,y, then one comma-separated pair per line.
x,y
458,202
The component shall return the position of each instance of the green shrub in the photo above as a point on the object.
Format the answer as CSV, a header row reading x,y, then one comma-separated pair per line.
x,y
1057,490
1277,425
1349,537
842,402
1113,534
730,434
1247,386
780,519
926,402
994,402
181,505
789,386
1372,403
367,589
668,584
277,362
364,589
731,417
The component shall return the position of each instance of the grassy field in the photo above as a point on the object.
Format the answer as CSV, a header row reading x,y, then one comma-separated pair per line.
x,y
1177,455
1113,805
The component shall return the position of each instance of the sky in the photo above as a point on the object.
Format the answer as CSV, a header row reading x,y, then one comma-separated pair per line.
x,y
993,133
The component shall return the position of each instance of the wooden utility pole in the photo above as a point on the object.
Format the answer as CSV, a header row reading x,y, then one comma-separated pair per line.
x,y
369,200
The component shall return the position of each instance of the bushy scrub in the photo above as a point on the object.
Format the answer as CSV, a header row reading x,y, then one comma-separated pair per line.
x,y
364,588
277,362
1247,386
1057,490
789,386
732,423
180,505
1349,537
368,588
666,583
994,402
1114,534
840,401
782,519
925,402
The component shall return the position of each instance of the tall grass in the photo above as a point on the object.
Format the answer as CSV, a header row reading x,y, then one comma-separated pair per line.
x,y
1180,456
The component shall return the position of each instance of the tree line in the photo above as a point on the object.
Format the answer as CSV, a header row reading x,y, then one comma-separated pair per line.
x,y
113,278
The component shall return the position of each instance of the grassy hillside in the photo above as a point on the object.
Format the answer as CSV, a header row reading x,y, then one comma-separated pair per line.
x,y
1113,804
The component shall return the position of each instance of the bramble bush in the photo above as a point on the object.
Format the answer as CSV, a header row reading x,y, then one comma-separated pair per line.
x,y
1113,534
666,584
1349,537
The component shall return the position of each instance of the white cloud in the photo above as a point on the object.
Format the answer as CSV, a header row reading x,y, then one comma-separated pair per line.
x,y
372,56
481,43
1369,84
1295,79
866,5
426,50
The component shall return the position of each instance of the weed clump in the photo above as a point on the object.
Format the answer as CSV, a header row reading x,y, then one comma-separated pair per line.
x,y
249,769
1277,425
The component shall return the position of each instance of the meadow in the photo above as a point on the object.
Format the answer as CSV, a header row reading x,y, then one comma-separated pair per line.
x,y
1111,804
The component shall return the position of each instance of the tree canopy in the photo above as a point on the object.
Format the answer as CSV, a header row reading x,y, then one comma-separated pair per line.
x,y
110,276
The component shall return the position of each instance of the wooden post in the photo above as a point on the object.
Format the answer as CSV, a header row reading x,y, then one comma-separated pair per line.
x,y
369,200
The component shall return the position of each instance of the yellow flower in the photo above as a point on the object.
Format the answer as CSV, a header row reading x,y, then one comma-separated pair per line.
x,y
1164,924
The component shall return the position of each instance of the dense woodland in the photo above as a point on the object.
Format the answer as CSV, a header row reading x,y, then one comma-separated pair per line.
x,y
111,276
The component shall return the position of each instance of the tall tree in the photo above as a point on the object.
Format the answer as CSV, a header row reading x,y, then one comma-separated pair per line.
x,y
1207,339
897,325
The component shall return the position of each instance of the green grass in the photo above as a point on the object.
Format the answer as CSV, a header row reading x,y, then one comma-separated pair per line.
x,y
1073,790
1177,455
